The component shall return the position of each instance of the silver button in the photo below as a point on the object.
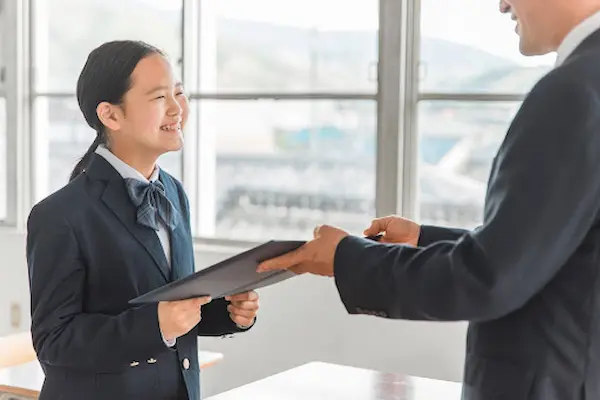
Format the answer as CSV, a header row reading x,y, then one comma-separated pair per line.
x,y
151,360
134,364
186,363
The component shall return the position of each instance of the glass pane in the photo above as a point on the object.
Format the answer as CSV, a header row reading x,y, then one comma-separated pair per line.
x,y
280,168
457,142
62,137
289,46
456,59
62,46
3,160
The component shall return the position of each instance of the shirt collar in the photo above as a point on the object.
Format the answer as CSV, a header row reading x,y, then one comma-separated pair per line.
x,y
577,36
124,169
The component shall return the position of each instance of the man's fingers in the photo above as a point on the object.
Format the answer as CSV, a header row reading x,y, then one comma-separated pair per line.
x,y
375,228
284,261
378,225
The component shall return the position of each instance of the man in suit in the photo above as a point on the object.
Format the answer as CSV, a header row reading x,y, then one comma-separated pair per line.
x,y
528,278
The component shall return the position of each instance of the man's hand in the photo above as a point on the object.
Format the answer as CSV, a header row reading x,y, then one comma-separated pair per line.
x,y
243,308
315,257
176,318
395,230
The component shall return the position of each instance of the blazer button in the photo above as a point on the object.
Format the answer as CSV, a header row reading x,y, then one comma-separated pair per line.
x,y
186,363
151,361
134,364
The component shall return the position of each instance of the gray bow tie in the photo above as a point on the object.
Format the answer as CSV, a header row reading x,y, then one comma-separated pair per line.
x,y
152,204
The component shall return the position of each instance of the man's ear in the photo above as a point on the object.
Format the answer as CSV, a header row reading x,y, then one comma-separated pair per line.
x,y
110,115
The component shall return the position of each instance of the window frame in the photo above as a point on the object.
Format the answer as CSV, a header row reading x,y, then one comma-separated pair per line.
x,y
16,48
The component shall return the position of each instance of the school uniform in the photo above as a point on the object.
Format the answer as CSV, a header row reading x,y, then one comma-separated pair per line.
x,y
93,246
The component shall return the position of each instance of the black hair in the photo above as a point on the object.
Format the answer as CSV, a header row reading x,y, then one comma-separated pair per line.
x,y
106,77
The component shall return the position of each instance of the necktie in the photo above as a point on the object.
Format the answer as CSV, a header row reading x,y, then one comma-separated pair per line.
x,y
153,206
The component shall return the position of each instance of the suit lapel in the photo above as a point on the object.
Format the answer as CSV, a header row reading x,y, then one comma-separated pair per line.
x,y
117,200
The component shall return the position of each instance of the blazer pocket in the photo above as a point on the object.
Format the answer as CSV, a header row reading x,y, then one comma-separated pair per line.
x,y
138,380
496,379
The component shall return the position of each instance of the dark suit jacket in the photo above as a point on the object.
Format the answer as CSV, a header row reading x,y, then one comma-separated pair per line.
x,y
527,279
87,258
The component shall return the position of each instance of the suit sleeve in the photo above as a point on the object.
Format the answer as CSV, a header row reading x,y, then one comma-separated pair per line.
x,y
541,202
430,234
63,334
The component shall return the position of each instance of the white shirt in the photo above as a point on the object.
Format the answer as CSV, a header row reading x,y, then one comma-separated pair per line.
x,y
576,37
127,171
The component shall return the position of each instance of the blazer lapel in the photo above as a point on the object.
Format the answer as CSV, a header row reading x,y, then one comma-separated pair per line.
x,y
116,198
180,249
181,242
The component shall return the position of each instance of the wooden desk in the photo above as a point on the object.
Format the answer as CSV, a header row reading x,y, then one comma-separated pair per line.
x,y
321,381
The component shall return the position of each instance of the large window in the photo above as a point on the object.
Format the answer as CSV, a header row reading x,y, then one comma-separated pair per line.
x,y
286,117
470,87
302,112
60,50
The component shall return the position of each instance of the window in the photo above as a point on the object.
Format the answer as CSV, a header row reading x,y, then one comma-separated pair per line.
x,y
283,167
459,133
290,46
304,154
60,51
457,141
61,46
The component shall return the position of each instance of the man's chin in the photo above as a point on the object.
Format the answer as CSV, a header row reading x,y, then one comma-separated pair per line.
x,y
529,50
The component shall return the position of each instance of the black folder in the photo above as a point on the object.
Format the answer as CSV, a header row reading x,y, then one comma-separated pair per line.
x,y
231,276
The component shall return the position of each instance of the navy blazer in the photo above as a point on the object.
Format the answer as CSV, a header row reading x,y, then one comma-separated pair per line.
x,y
87,257
527,279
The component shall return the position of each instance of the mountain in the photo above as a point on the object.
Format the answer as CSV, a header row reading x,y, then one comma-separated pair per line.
x,y
256,56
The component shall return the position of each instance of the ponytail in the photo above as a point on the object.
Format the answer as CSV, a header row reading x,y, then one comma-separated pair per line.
x,y
85,160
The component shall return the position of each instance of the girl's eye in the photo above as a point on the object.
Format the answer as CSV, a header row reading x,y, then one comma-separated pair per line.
x,y
160,97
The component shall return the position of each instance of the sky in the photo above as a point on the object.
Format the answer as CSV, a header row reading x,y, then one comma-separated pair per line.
x,y
473,22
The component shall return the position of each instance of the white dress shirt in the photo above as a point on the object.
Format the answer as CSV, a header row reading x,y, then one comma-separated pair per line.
x,y
127,171
576,37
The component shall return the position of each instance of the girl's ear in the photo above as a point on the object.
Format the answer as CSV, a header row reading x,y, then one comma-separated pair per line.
x,y
109,115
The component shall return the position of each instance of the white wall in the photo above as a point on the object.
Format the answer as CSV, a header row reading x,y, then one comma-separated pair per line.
x,y
301,320
14,286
